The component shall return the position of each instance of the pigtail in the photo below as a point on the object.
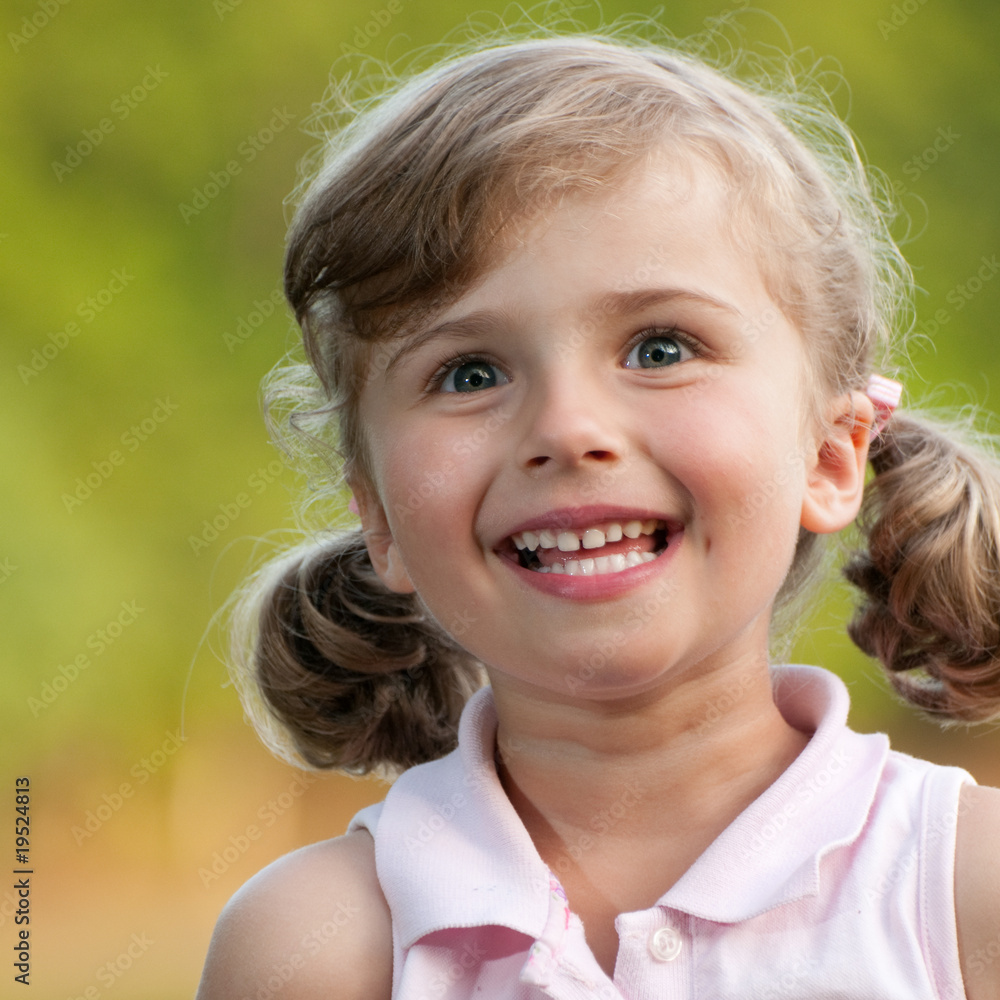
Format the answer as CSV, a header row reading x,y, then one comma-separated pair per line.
x,y
931,573
342,672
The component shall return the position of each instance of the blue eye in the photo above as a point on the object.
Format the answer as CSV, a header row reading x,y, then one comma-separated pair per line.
x,y
471,376
656,352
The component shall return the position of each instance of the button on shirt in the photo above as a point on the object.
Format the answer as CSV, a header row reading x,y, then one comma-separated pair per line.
x,y
836,882
665,944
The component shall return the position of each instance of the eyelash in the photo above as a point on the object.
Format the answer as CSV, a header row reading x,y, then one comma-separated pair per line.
x,y
448,363
696,347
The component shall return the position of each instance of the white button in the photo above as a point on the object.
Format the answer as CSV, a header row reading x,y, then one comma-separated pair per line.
x,y
665,944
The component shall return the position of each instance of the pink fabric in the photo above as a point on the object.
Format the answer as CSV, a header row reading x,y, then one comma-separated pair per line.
x,y
836,882
885,394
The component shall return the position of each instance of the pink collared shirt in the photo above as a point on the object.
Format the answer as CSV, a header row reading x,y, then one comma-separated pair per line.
x,y
836,882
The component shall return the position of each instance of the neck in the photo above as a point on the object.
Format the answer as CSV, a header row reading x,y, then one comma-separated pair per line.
x,y
642,784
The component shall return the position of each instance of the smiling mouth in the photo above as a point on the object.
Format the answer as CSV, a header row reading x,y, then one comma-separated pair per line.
x,y
609,547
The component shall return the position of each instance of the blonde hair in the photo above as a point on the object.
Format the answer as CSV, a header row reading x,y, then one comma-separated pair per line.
x,y
408,206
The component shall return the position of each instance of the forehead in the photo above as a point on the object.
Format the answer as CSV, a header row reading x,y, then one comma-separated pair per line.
x,y
663,192
664,221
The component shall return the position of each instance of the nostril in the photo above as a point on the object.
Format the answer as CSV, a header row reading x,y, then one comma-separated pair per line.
x,y
599,456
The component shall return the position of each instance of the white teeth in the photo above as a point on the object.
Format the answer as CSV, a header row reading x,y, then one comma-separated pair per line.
x,y
547,539
568,542
589,538
598,566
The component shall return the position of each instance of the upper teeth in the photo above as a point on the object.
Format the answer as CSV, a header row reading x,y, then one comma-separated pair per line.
x,y
588,538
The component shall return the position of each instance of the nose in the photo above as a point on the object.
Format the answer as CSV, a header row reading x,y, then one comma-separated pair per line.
x,y
569,424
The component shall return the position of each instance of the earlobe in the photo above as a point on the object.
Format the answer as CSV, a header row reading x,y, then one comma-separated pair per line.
x,y
382,548
836,479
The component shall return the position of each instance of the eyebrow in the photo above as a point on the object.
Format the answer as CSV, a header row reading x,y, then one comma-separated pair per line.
x,y
616,303
611,304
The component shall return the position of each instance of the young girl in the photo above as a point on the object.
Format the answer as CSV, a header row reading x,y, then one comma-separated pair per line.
x,y
598,329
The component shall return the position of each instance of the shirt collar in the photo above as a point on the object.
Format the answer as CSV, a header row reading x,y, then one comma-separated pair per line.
x,y
452,852
771,853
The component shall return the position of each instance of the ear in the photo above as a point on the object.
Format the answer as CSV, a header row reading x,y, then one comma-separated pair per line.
x,y
835,481
382,548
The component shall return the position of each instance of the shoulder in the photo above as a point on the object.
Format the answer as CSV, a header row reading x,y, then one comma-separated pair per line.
x,y
977,891
316,919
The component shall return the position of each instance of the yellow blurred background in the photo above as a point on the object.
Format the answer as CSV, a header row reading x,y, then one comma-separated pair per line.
x,y
147,150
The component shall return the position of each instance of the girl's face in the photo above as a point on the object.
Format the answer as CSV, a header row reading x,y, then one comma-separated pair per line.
x,y
621,372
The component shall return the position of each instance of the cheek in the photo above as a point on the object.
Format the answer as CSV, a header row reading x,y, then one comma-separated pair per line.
x,y
441,469
413,477
430,510
746,463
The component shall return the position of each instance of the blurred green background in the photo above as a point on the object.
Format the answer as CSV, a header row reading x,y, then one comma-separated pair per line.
x,y
147,150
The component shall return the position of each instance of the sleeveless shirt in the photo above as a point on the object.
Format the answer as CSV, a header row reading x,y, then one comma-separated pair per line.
x,y
836,882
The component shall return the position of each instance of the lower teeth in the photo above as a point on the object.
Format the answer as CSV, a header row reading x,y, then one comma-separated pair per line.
x,y
599,565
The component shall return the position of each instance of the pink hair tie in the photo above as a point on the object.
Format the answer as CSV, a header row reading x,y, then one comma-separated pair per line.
x,y
885,394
